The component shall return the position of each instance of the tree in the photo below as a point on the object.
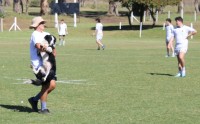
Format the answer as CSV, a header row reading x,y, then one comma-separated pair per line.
x,y
196,5
82,3
139,6
7,3
113,8
180,6
95,3
44,6
18,6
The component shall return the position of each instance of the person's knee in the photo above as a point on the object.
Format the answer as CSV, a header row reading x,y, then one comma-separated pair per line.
x,y
52,85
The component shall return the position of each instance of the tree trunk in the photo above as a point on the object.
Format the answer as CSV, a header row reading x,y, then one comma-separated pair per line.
x,y
1,12
21,3
180,6
16,6
113,8
7,3
152,15
82,3
44,5
95,4
196,5
27,6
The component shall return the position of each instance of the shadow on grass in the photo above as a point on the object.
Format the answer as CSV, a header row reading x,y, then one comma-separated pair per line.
x,y
92,14
161,74
127,27
34,14
17,108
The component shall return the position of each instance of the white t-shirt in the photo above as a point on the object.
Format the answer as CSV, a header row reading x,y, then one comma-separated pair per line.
x,y
99,28
62,29
180,34
36,37
169,31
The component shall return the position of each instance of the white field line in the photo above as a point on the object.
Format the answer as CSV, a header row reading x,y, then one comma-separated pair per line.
x,y
59,81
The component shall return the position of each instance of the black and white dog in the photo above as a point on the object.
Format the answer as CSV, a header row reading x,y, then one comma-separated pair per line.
x,y
47,57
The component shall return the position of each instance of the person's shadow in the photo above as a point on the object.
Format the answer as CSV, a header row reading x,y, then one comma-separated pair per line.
x,y
162,74
17,108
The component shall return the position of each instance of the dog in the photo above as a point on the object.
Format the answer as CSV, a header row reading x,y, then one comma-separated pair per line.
x,y
48,58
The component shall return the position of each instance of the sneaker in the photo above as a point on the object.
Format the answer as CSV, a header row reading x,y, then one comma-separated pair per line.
x,y
33,104
183,74
178,75
98,48
173,55
103,47
167,56
45,111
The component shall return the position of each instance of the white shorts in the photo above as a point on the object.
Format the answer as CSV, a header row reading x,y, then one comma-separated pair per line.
x,y
99,37
179,50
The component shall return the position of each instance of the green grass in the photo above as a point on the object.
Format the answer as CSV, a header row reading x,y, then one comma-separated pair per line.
x,y
131,82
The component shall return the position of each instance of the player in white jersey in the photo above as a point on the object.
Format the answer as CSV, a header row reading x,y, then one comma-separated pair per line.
x,y
181,34
38,24
99,34
62,32
169,31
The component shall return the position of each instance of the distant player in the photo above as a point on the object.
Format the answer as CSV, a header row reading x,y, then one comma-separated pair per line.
x,y
99,34
62,32
181,34
169,31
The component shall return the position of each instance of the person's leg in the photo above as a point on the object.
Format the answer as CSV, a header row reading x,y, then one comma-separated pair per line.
x,y
172,49
101,44
34,100
63,40
46,89
179,66
98,45
60,40
167,47
182,63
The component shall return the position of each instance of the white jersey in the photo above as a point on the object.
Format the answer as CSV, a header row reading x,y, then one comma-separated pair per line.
x,y
180,34
99,29
169,32
62,29
36,37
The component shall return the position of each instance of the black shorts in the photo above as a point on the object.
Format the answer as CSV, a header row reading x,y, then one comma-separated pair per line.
x,y
51,76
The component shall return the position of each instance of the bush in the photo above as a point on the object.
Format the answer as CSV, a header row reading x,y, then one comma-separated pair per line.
x,y
35,3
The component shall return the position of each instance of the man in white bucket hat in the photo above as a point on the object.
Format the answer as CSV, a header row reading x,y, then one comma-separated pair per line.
x,y
38,24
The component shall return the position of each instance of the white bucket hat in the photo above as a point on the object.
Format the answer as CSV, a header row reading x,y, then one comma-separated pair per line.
x,y
36,21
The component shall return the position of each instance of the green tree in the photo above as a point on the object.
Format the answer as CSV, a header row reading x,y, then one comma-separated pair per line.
x,y
139,6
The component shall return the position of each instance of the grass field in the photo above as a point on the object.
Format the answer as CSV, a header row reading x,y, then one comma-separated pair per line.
x,y
130,82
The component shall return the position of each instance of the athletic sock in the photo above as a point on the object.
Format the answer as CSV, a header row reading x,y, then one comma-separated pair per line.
x,y
183,71
43,105
37,97
61,42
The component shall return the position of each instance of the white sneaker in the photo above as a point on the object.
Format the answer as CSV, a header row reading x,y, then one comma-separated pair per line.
x,y
167,56
178,75
173,55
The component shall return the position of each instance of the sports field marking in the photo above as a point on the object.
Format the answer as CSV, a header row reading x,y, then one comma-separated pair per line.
x,y
78,82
